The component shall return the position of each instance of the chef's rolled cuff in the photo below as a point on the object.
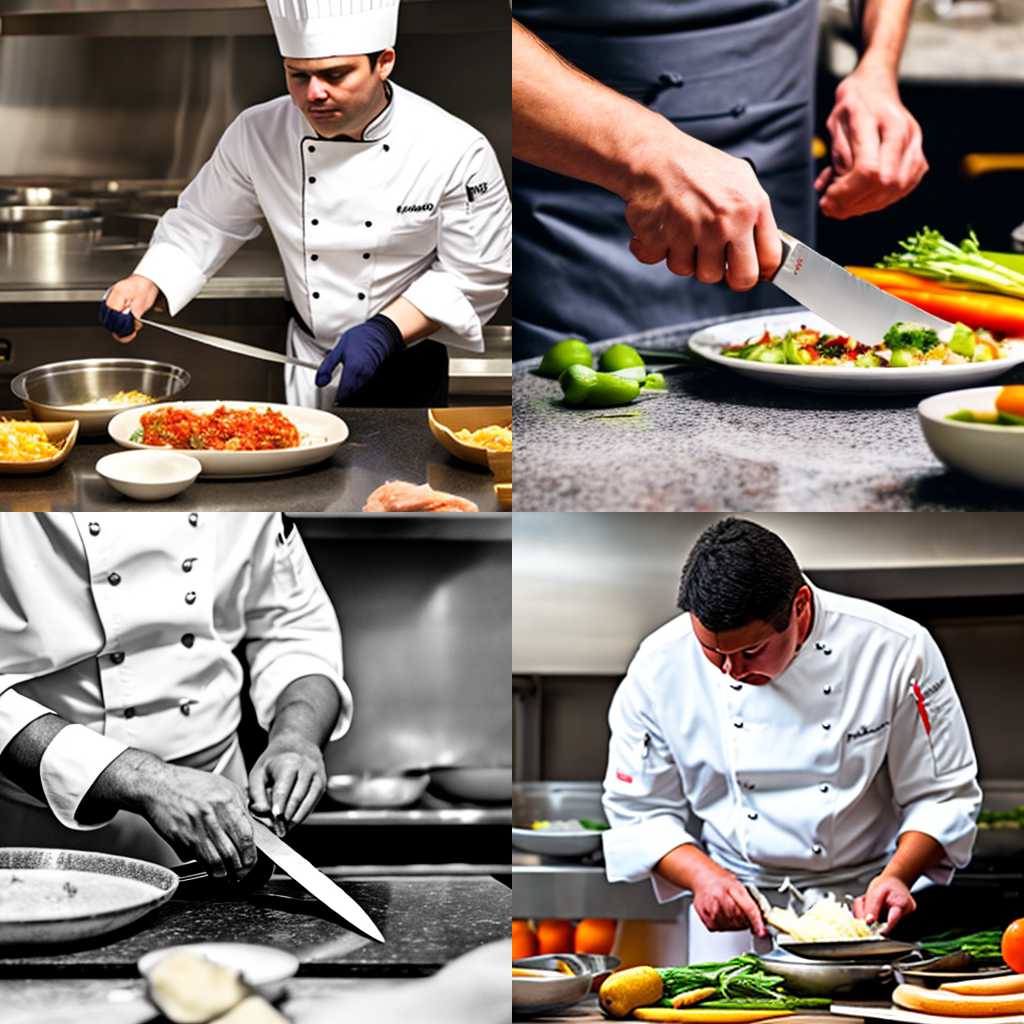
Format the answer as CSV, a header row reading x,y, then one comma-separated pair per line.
x,y
16,713
76,757
276,677
437,295
632,851
949,821
173,273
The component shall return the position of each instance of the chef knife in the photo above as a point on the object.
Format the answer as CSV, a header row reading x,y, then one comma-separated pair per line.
x,y
313,880
855,307
238,347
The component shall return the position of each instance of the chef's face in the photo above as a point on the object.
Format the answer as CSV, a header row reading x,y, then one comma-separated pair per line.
x,y
757,652
339,95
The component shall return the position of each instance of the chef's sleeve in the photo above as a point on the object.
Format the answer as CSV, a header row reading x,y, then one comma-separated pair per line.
x,y
643,794
931,761
216,214
469,276
74,759
291,627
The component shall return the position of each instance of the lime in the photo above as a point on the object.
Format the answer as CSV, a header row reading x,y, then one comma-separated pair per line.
x,y
620,357
562,355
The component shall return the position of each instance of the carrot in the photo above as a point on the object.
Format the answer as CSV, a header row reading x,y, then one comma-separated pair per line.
x,y
976,309
886,279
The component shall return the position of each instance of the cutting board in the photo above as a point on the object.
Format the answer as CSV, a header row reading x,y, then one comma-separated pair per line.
x,y
912,1017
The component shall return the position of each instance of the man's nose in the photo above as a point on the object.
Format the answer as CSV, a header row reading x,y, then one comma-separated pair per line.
x,y
730,666
315,90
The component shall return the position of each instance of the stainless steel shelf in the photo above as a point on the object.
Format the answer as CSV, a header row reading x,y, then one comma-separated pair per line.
x,y
446,816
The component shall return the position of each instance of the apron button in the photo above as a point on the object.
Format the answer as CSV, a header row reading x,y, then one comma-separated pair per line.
x,y
314,222
314,257
827,690
369,223
94,529
312,181
188,639
186,709
816,850
113,579
193,519
738,723
752,815
316,295
362,295
826,726
129,712
387,148
190,597
186,566
366,255
824,787
117,657
312,149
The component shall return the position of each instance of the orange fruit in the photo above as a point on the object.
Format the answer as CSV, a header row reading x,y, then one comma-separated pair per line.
x,y
554,936
1013,945
524,941
1011,399
595,935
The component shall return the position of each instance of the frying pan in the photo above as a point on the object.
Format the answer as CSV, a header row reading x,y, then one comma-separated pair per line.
x,y
853,950
472,785
67,926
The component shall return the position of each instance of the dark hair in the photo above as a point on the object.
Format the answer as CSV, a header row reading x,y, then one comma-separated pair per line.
x,y
738,572
373,58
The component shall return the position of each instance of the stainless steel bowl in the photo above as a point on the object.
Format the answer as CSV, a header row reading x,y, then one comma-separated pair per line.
x,y
810,978
381,791
49,220
56,391
470,784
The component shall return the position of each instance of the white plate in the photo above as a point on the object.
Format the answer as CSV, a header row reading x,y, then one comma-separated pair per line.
x,y
558,844
917,379
994,454
259,966
329,431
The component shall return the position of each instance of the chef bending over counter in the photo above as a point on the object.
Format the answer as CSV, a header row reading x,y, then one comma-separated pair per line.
x,y
775,730
120,694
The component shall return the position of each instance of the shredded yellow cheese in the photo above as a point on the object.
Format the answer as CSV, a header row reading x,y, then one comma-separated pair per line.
x,y
121,398
24,441
494,438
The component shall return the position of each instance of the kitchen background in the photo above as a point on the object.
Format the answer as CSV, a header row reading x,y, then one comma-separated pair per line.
x,y
586,590
114,107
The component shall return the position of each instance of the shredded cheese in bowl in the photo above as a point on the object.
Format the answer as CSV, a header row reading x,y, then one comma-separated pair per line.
x,y
493,438
24,441
122,398
827,921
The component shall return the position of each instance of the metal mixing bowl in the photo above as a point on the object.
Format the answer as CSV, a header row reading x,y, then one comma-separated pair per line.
x,y
382,791
55,391
824,978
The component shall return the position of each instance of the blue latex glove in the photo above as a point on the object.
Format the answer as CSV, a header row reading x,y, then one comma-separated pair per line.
x,y
362,349
119,324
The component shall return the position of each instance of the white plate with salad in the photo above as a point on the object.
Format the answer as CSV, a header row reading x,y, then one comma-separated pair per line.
x,y
573,837
761,345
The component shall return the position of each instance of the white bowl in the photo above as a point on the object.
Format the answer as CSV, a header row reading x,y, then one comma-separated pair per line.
x,y
990,453
149,475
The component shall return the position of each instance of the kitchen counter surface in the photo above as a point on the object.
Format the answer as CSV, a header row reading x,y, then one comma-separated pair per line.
x,y
383,444
427,921
718,442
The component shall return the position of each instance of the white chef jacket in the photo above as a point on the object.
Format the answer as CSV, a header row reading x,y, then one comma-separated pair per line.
x,y
813,775
124,625
418,208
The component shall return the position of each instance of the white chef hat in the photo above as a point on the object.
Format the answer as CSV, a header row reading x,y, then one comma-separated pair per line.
x,y
324,28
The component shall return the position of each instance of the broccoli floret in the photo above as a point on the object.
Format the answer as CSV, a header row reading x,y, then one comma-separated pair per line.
x,y
909,335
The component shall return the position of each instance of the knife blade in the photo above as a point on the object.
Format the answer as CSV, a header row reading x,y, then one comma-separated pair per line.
x,y
238,347
313,880
850,304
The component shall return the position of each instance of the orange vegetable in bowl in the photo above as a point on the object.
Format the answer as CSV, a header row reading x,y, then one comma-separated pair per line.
x,y
554,936
595,935
1011,400
524,940
1013,943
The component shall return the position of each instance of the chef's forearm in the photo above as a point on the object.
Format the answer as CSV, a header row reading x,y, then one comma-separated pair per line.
x,y
684,865
306,711
565,121
409,320
20,758
884,29
915,853
126,784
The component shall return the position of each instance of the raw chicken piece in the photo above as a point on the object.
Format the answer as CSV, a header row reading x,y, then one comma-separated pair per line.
x,y
400,496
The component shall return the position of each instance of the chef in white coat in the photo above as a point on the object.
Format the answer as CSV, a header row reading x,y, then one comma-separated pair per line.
x,y
119,692
391,216
777,730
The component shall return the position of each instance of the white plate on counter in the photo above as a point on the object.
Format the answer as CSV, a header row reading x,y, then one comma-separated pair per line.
x,y
323,433
710,341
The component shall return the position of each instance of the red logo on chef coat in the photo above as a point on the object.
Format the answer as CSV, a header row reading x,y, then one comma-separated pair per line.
x,y
623,777
922,710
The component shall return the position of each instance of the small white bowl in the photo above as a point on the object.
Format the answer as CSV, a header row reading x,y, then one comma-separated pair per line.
x,y
989,453
149,475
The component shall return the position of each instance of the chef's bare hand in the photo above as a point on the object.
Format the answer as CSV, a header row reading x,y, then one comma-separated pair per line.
x,y
131,297
702,211
287,781
886,899
877,154
724,904
203,815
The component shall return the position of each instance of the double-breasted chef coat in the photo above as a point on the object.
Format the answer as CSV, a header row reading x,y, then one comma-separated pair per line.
x,y
418,208
812,776
124,625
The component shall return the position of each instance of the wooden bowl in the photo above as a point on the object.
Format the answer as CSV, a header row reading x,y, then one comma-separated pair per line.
x,y
445,422
57,432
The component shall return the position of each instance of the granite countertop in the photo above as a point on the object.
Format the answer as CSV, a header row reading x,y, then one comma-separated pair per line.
x,y
719,442
427,921
383,444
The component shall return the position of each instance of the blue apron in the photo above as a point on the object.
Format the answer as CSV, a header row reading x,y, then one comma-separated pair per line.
x,y
739,75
